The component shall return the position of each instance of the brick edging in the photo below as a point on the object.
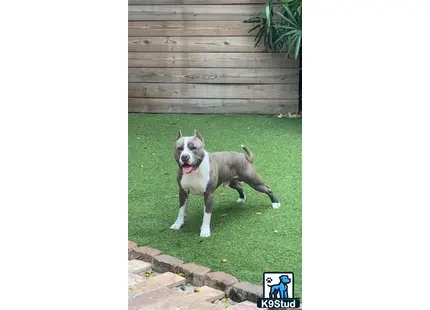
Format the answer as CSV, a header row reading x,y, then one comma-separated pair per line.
x,y
195,274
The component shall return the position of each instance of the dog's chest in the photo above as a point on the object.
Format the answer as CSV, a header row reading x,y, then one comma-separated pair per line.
x,y
197,181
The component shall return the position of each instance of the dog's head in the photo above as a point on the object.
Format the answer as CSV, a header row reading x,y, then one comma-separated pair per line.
x,y
189,151
284,279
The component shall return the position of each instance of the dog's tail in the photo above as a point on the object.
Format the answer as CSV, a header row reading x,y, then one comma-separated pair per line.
x,y
249,156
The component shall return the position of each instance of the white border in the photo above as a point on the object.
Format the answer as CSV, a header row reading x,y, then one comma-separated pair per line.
x,y
365,155
63,167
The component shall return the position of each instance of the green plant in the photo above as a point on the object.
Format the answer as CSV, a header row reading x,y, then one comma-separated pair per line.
x,y
280,26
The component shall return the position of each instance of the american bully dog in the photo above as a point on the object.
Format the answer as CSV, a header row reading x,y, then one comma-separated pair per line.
x,y
201,173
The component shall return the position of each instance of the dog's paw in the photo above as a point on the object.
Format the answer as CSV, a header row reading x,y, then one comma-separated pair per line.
x,y
176,225
205,232
276,205
241,200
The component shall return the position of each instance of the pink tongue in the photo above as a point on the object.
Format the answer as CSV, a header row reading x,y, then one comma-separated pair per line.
x,y
187,169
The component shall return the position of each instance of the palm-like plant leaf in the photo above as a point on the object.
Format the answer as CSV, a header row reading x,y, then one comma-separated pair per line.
x,y
281,26
298,45
258,37
253,28
288,14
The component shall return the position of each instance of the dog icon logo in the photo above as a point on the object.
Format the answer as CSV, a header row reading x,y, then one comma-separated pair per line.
x,y
278,285
279,290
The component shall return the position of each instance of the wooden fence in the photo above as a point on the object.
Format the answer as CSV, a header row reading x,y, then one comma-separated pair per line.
x,y
196,56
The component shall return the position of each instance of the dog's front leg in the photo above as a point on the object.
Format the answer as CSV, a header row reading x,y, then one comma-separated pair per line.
x,y
183,196
205,230
282,293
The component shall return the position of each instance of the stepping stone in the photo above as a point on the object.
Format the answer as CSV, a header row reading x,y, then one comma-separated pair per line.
x,y
147,299
178,301
134,279
138,266
166,298
206,293
166,279
161,299
198,306
245,305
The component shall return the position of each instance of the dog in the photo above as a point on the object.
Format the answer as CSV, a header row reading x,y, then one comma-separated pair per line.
x,y
280,288
201,173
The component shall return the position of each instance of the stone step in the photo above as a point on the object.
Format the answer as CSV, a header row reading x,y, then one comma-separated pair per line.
x,y
197,306
206,293
166,298
134,278
167,279
156,293
148,299
137,266
245,305
176,301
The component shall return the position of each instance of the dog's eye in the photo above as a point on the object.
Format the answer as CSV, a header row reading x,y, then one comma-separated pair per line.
x,y
180,148
192,148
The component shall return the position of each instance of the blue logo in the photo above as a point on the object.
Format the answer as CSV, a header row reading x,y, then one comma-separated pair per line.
x,y
278,291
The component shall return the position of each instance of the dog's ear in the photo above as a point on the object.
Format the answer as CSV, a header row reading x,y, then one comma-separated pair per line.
x,y
198,135
179,135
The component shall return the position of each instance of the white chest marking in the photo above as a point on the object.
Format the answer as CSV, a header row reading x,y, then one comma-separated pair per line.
x,y
197,181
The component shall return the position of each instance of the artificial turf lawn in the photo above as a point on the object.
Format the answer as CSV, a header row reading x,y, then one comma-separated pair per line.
x,y
246,239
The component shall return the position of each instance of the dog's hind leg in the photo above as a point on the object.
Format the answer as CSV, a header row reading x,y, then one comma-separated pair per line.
x,y
257,183
272,293
235,184
263,188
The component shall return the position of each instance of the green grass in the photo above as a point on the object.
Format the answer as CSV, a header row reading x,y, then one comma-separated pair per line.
x,y
246,239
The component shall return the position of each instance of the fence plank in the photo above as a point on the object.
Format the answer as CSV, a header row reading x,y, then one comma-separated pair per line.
x,y
196,56
194,44
193,12
189,2
167,90
174,105
214,75
205,60
188,28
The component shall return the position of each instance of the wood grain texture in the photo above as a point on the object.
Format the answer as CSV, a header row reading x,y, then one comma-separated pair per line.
x,y
188,2
254,91
194,44
193,12
174,105
188,28
196,56
214,75
214,60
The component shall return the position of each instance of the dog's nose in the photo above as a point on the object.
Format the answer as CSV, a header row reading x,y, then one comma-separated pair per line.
x,y
185,158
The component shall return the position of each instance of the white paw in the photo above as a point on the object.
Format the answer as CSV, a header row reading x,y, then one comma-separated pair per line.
x,y
241,200
276,205
176,225
205,232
